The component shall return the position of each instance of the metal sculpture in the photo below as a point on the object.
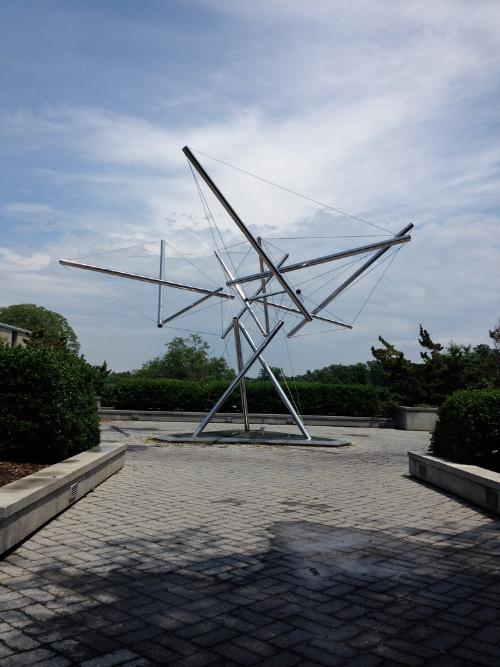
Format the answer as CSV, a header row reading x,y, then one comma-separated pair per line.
x,y
268,282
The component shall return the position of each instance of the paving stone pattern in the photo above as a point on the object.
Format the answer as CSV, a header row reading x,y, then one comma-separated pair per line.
x,y
227,555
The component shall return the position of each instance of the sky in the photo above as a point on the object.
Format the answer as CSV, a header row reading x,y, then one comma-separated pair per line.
x,y
388,111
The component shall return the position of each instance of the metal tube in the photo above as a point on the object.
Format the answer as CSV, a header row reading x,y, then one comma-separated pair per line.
x,y
145,279
239,359
246,232
265,296
346,283
278,306
216,407
277,385
160,287
245,307
326,258
240,292
263,284
193,305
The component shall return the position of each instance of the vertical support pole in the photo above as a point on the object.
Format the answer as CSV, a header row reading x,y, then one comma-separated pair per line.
x,y
263,289
235,382
160,287
277,386
239,359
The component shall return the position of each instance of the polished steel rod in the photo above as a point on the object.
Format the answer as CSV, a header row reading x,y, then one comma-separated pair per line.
x,y
145,279
287,309
326,258
295,416
160,287
191,306
239,360
217,406
337,291
240,292
245,307
265,295
263,285
246,232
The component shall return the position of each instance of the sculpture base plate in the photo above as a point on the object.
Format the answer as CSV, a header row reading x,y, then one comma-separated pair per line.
x,y
259,437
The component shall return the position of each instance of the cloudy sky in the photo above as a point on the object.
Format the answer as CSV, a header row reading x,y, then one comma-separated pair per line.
x,y
386,110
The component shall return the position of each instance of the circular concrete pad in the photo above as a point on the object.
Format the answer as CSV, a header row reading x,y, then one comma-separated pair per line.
x,y
258,437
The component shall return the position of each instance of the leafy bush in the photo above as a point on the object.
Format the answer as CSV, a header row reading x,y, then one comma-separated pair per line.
x,y
48,408
468,430
311,397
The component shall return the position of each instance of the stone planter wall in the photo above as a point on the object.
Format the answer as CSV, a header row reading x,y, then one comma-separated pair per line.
x,y
478,485
28,503
416,419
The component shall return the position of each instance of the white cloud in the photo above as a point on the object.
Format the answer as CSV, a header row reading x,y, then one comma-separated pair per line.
x,y
361,105
12,261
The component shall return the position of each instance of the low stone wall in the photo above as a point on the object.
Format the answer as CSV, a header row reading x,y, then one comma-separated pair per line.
x,y
478,485
237,418
28,503
416,419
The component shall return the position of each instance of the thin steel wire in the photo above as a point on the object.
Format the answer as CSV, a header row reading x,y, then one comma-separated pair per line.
x,y
393,257
293,192
110,294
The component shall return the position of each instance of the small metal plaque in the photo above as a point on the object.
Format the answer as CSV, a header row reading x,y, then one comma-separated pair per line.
x,y
422,471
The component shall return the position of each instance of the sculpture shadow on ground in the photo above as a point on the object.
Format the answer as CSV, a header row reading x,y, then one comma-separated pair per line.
x,y
318,593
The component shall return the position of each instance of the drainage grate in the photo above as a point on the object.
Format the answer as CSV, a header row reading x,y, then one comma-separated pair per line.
x,y
73,490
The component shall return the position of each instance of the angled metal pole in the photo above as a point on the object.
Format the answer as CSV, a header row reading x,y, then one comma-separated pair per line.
x,y
295,416
287,309
217,406
326,258
160,287
144,279
245,307
240,292
191,306
263,297
263,284
246,232
239,359
346,283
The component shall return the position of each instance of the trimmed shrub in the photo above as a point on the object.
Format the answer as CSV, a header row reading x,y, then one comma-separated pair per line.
x,y
311,397
48,408
468,430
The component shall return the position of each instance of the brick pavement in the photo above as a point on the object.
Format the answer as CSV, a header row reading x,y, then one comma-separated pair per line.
x,y
226,555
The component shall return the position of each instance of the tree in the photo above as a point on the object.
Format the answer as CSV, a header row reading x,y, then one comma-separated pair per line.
x,y
275,369
187,359
397,373
495,336
339,374
48,328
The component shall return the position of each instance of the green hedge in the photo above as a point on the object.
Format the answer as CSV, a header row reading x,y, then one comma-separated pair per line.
x,y
313,397
48,408
468,430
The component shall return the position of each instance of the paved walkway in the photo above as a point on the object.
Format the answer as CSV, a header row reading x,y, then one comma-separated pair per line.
x,y
195,555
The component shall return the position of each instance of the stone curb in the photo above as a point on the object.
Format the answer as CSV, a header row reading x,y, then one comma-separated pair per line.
x,y
30,502
478,485
236,418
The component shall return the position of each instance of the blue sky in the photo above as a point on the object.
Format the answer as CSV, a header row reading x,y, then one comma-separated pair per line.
x,y
387,110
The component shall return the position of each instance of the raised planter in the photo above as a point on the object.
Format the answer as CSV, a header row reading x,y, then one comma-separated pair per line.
x,y
478,485
416,419
28,503
236,418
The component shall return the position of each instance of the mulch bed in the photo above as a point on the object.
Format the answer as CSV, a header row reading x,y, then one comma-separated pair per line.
x,y
10,471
